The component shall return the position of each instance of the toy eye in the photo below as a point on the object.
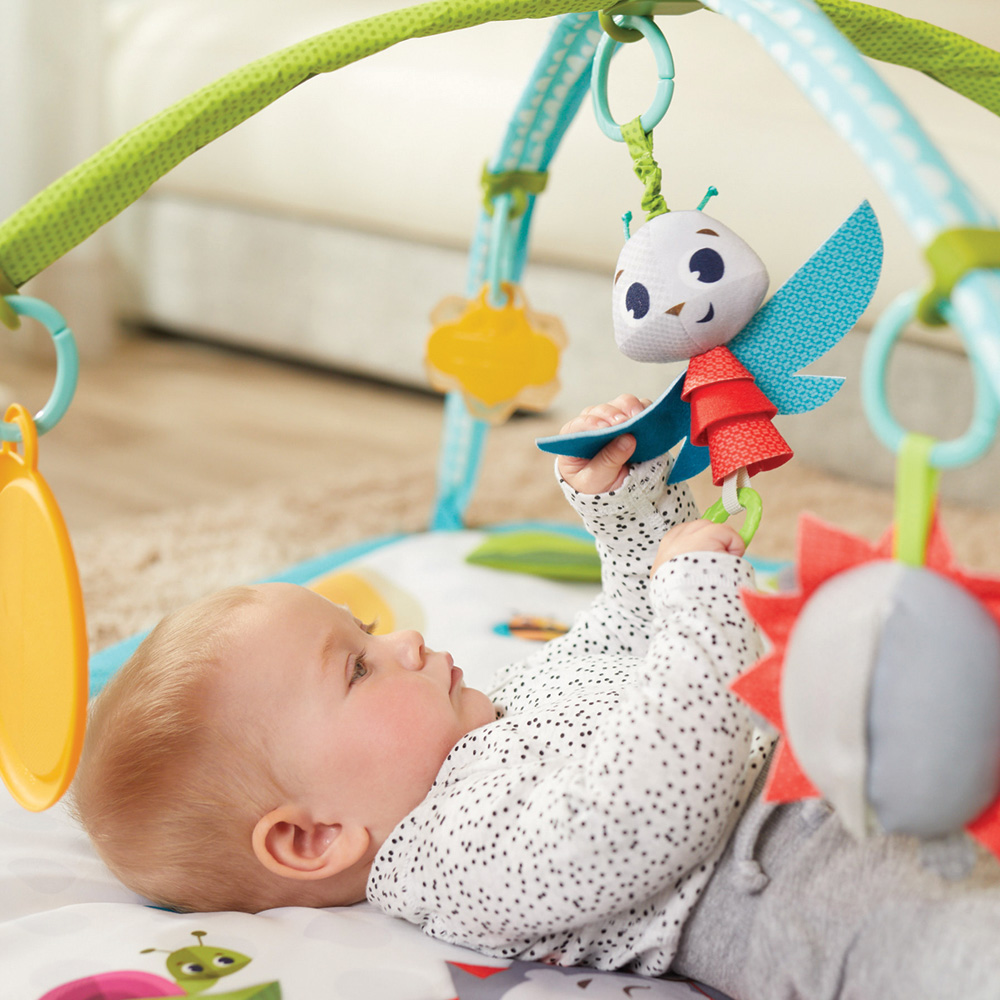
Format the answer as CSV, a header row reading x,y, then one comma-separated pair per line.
x,y
192,968
637,300
708,265
223,960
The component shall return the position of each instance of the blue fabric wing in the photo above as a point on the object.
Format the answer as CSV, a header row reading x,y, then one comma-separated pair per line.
x,y
656,430
810,313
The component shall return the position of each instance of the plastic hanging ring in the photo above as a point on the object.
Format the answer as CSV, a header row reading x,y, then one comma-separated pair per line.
x,y
43,634
986,411
606,48
67,365
750,499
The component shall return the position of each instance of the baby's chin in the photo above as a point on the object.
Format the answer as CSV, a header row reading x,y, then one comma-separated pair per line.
x,y
477,708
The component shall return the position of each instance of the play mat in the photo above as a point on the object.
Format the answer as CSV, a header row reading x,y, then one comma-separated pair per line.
x,y
686,289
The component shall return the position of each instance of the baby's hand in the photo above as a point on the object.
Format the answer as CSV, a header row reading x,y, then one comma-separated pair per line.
x,y
608,469
698,536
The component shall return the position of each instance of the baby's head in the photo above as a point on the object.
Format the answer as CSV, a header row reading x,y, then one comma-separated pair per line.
x,y
259,747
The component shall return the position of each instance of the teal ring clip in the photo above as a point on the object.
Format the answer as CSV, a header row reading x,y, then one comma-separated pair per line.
x,y
67,365
978,437
664,70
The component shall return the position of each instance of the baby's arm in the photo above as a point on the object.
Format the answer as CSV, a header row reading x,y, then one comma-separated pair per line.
x,y
628,509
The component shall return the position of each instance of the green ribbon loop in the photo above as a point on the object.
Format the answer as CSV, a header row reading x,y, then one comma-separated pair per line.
x,y
517,183
640,147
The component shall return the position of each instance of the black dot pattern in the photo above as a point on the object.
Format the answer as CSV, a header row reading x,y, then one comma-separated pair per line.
x,y
581,826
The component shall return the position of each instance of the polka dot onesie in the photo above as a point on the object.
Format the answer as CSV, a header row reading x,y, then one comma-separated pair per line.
x,y
582,825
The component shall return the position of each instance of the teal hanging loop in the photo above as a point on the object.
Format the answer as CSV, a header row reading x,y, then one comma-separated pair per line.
x,y
979,435
606,48
67,364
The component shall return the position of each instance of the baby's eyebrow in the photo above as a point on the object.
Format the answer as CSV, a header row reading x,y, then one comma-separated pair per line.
x,y
331,646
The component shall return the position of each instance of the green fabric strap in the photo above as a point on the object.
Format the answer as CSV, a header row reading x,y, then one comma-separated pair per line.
x,y
957,62
916,499
93,193
517,183
951,255
640,147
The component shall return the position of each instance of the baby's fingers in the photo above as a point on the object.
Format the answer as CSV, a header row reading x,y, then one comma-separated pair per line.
x,y
617,411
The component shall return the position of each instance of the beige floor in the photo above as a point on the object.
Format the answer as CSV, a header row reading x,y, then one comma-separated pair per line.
x,y
166,423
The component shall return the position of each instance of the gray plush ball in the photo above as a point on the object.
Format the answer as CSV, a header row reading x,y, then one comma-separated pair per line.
x,y
891,699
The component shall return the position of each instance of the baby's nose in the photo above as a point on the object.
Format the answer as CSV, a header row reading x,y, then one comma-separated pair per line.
x,y
411,649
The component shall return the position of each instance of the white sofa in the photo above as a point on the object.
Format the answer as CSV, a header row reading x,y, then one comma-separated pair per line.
x,y
327,226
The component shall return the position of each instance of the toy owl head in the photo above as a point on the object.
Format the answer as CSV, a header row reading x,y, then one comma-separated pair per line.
x,y
684,283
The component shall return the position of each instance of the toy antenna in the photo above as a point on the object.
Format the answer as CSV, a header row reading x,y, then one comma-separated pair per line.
x,y
709,195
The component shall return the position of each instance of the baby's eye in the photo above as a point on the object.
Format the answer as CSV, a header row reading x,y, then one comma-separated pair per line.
x,y
359,670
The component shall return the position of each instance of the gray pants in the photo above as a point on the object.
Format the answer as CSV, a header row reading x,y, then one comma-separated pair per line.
x,y
800,910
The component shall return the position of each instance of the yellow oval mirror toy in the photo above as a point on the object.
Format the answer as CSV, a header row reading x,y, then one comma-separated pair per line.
x,y
43,640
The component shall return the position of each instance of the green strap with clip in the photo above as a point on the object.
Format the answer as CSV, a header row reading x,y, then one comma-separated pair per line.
x,y
951,255
517,183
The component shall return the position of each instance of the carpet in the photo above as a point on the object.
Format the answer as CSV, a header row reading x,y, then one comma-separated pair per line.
x,y
137,569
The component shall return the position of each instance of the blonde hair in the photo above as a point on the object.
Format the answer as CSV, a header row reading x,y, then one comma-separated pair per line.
x,y
168,797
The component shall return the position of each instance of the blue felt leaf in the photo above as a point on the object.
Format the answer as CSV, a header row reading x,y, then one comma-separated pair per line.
x,y
691,460
656,430
811,312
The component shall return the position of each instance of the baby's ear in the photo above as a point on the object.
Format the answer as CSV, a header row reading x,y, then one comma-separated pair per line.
x,y
291,843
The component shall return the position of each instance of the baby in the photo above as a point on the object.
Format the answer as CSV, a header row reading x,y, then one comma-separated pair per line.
x,y
264,748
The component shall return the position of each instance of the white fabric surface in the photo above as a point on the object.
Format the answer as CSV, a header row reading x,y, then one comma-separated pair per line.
x,y
63,916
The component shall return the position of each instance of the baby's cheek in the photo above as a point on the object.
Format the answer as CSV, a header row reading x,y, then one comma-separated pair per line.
x,y
416,728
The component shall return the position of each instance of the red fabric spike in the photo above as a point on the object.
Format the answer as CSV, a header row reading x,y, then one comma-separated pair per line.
x,y
825,550
939,554
986,827
986,590
774,613
731,416
760,687
886,545
787,782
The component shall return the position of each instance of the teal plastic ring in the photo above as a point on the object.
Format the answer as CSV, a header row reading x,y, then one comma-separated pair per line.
x,y
67,365
750,501
606,48
945,454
